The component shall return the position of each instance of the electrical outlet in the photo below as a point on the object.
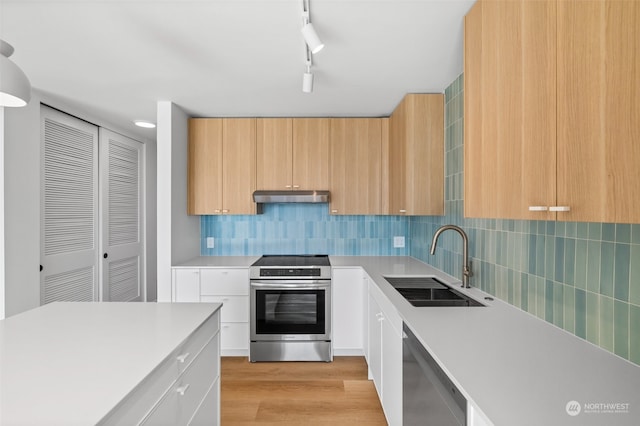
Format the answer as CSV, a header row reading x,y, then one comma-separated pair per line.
x,y
210,242
398,242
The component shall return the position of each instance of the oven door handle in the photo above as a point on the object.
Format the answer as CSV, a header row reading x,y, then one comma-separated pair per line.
x,y
288,285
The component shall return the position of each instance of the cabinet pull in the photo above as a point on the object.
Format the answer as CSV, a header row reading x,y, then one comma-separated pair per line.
x,y
182,389
559,209
538,208
296,186
216,211
402,211
225,210
334,211
182,358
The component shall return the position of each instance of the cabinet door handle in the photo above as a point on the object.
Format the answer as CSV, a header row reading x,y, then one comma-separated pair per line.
x,y
182,389
334,211
559,209
225,210
216,211
538,208
402,211
296,186
288,186
182,358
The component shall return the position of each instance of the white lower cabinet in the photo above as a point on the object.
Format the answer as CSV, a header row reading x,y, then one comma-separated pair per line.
x,y
374,353
183,389
182,400
348,294
229,286
385,353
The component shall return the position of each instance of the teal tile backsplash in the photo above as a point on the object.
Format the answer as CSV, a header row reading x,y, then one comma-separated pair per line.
x,y
582,277
302,229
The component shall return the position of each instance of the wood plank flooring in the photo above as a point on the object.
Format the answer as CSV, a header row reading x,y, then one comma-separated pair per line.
x,y
298,393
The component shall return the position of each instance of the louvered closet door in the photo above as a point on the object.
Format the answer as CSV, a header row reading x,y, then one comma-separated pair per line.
x,y
121,207
69,208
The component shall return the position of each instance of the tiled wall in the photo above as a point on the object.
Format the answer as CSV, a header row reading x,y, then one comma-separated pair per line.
x,y
303,229
583,277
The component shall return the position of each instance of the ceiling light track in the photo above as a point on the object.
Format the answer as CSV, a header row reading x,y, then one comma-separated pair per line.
x,y
312,44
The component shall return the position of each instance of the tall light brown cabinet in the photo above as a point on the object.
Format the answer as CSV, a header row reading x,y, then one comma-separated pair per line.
x,y
416,156
357,167
552,122
221,166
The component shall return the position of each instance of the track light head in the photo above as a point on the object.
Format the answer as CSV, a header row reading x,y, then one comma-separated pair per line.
x,y
311,38
307,82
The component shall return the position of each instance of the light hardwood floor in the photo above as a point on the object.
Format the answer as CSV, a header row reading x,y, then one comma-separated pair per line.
x,y
298,393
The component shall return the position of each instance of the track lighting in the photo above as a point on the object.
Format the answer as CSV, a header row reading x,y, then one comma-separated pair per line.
x,y
15,89
308,31
312,44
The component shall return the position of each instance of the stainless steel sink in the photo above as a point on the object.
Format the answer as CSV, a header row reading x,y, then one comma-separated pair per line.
x,y
429,291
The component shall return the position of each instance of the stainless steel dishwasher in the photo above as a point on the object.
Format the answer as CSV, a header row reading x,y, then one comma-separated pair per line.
x,y
428,395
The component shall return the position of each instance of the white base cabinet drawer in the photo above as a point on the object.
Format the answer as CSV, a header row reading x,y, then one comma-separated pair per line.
x,y
216,282
234,336
234,308
209,411
182,400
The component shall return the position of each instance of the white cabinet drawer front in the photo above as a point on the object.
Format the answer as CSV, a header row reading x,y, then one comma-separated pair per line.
x,y
184,397
189,350
234,308
145,396
219,282
208,413
234,336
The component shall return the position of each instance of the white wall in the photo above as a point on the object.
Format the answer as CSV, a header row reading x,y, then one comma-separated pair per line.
x,y
22,207
22,201
1,213
178,233
151,246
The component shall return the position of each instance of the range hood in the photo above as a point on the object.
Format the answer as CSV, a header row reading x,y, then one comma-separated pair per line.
x,y
291,197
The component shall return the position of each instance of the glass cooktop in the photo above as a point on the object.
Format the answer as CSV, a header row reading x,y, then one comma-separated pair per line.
x,y
293,260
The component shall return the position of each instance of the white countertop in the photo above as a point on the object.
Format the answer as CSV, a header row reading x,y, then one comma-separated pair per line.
x,y
71,363
515,367
218,262
518,369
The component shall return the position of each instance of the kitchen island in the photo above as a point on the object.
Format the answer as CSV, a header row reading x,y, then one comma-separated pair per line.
x,y
110,363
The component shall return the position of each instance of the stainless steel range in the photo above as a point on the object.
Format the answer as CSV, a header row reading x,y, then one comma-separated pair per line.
x,y
291,308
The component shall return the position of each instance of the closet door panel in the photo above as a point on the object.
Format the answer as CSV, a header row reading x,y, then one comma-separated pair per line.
x,y
121,208
69,208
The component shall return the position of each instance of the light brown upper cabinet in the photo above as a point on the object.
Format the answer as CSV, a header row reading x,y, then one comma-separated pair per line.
x,y
357,165
221,166
550,131
293,153
510,113
599,110
416,156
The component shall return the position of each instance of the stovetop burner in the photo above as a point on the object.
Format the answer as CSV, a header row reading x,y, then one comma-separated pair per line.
x,y
293,260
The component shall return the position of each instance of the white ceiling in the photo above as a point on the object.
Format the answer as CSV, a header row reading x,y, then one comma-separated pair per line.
x,y
116,58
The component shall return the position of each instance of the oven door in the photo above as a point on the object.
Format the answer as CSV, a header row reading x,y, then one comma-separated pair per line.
x,y
290,310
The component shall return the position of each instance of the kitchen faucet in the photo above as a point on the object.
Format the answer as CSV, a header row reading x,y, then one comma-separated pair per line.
x,y
466,267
